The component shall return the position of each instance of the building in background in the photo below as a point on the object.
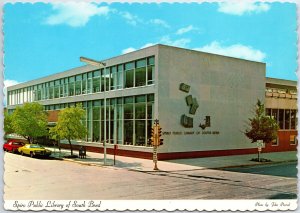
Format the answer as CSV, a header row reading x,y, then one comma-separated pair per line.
x,y
201,100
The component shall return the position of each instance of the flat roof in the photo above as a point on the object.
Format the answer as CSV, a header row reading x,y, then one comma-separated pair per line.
x,y
110,62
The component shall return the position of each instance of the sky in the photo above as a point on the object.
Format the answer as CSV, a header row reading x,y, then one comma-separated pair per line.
x,y
42,39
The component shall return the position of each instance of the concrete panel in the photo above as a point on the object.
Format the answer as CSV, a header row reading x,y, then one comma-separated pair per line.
x,y
226,89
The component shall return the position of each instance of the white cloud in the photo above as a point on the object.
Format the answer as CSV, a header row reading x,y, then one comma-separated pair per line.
x,y
236,50
128,50
147,45
177,43
75,14
160,23
8,83
131,49
185,30
241,7
130,18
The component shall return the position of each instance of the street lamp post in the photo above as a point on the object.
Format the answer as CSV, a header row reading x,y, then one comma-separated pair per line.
x,y
103,65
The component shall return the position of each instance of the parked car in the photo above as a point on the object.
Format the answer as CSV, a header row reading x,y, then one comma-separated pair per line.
x,y
34,150
12,146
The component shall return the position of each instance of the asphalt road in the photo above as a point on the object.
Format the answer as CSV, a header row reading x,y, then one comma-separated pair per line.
x,y
28,178
287,169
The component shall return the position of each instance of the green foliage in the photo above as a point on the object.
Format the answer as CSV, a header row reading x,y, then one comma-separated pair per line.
x,y
8,127
30,121
261,127
69,125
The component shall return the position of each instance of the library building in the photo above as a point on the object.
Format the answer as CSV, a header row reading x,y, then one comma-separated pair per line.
x,y
202,101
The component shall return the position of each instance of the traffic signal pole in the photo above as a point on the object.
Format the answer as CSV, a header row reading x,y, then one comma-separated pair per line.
x,y
156,141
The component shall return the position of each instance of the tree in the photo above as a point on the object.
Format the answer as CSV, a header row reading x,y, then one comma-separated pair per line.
x,y
8,128
69,125
30,121
261,127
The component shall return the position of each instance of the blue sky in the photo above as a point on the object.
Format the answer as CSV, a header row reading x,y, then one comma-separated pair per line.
x,y
42,39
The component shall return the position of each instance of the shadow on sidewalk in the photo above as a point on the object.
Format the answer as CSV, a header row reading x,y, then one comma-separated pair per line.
x,y
96,161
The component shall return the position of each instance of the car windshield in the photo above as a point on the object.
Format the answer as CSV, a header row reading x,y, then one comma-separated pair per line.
x,y
17,143
35,146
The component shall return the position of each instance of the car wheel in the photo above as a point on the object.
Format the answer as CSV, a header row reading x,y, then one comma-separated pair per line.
x,y
31,154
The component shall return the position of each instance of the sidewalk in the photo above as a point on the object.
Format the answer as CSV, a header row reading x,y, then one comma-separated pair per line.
x,y
137,164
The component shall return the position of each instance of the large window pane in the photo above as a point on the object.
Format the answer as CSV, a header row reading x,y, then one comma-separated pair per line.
x,y
128,111
78,87
287,119
149,127
140,76
112,131
120,77
84,90
113,78
128,132
293,119
96,84
119,131
51,93
96,113
71,89
281,118
275,114
96,131
129,76
106,76
102,80
56,92
61,90
150,75
140,132
150,106
140,110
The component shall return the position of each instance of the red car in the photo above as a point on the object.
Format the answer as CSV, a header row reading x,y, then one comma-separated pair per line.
x,y
12,146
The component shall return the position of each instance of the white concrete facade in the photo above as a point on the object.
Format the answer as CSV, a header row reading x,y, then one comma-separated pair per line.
x,y
226,89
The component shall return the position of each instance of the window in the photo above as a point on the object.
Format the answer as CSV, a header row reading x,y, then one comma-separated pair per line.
x,y
293,139
293,119
78,80
281,118
140,107
96,121
128,108
96,81
287,119
90,83
113,78
84,83
120,77
102,80
129,75
71,86
140,73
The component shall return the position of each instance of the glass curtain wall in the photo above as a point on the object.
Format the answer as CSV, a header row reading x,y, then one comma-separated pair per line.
x,y
132,74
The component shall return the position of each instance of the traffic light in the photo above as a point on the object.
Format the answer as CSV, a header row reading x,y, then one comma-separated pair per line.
x,y
159,131
161,141
153,138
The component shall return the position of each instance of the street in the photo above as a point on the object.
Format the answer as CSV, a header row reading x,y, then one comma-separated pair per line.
x,y
30,178
288,169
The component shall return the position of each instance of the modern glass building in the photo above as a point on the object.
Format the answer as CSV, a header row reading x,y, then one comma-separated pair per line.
x,y
200,99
